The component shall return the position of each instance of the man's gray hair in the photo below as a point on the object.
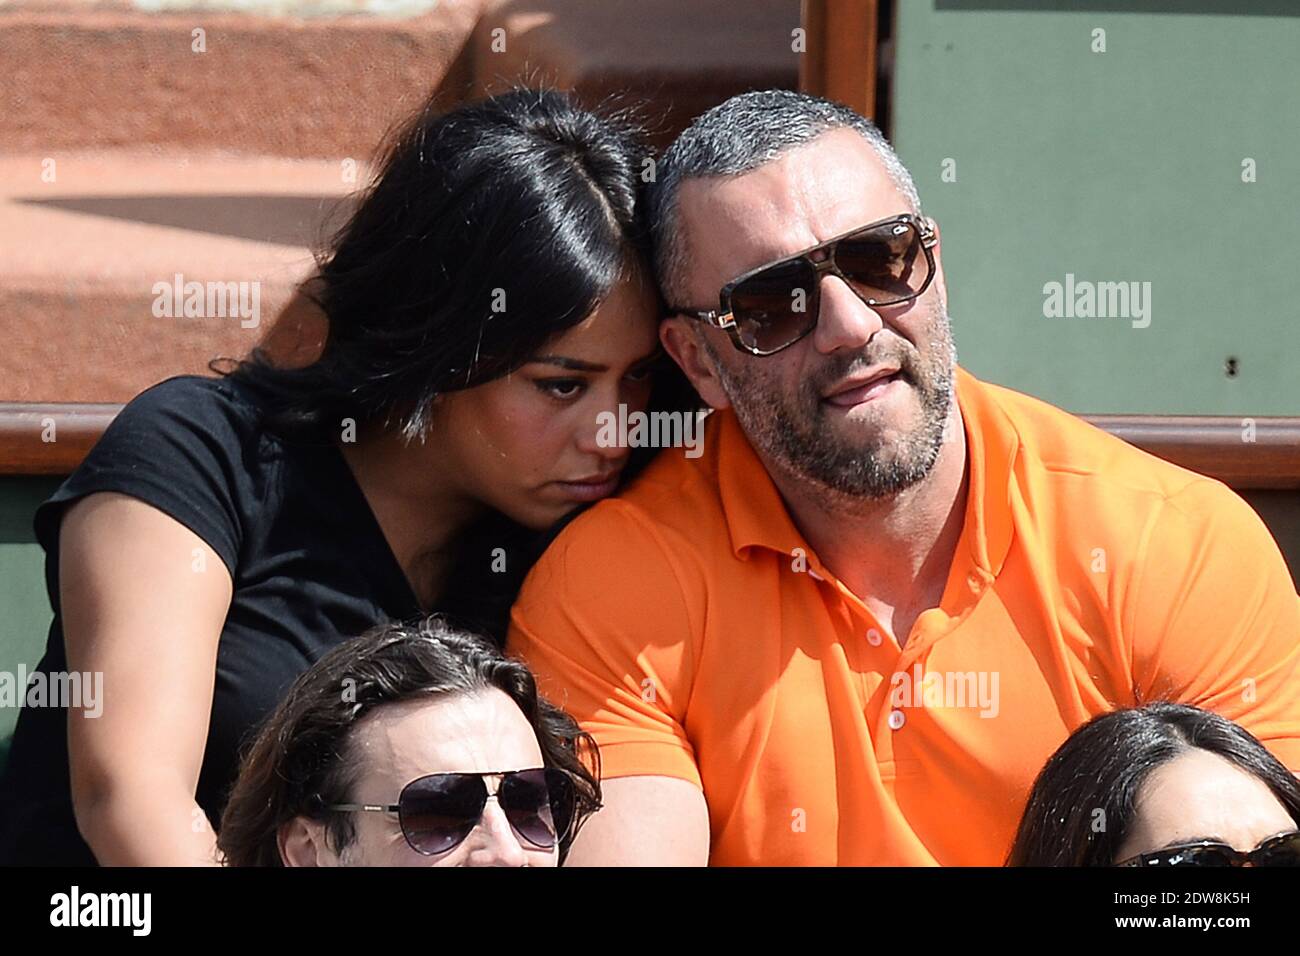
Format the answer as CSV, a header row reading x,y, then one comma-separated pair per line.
x,y
740,135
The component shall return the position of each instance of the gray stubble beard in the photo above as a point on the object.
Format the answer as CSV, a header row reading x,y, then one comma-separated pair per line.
x,y
794,440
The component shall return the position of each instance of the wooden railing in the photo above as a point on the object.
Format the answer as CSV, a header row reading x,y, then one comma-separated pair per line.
x,y
1244,453
49,439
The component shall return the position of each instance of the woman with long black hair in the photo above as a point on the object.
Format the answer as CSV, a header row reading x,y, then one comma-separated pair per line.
x,y
488,299
1164,784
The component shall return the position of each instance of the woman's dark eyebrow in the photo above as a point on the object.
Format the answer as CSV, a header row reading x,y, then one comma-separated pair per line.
x,y
572,364
577,365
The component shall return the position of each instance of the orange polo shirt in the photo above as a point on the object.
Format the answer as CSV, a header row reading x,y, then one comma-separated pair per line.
x,y
694,633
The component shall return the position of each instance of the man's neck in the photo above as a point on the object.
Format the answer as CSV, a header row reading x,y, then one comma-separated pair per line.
x,y
894,553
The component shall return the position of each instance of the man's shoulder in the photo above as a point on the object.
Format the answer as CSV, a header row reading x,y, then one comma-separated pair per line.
x,y
673,509
680,486
1071,451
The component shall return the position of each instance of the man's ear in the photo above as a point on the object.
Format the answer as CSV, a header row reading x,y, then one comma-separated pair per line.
x,y
302,843
938,266
681,340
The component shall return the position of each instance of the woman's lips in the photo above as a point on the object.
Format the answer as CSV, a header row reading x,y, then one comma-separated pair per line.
x,y
864,393
589,490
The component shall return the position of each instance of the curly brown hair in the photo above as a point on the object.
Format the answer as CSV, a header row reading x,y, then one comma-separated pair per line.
x,y
302,759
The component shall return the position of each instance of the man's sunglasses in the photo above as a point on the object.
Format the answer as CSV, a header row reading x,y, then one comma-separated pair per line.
x,y
1281,850
437,812
774,306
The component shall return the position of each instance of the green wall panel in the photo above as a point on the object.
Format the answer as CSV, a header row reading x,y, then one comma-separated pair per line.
x,y
1122,166
24,607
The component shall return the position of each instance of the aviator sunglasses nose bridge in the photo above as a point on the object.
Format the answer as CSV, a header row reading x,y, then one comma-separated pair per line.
x,y
823,264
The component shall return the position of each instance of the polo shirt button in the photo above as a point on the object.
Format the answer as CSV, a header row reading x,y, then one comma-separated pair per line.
x,y
874,638
896,719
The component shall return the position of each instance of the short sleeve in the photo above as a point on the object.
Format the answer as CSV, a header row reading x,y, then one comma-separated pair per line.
x,y
178,446
1216,619
604,621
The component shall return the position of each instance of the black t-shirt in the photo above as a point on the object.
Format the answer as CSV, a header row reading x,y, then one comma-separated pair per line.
x,y
308,560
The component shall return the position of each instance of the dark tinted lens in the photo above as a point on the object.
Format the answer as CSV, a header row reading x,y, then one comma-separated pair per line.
x,y
538,804
439,811
776,306
885,263
1283,851
1211,855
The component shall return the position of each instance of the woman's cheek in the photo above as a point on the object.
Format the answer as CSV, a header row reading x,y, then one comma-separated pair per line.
x,y
536,434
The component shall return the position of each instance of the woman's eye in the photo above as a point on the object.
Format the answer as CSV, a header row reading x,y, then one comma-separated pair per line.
x,y
561,388
641,375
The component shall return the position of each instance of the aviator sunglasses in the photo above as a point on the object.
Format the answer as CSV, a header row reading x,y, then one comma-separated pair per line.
x,y
774,306
1281,850
438,811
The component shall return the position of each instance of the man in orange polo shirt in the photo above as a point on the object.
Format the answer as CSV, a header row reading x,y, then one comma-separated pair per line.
x,y
855,627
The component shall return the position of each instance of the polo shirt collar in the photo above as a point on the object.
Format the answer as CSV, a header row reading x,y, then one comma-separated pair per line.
x,y
756,514
992,447
755,511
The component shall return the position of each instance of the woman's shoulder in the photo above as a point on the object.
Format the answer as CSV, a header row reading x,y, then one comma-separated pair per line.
x,y
191,446
196,417
197,397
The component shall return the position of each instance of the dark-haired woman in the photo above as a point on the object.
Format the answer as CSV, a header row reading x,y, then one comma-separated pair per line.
x,y
385,751
489,298
1161,785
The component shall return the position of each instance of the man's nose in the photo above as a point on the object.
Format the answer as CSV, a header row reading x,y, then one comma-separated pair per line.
x,y
845,321
493,842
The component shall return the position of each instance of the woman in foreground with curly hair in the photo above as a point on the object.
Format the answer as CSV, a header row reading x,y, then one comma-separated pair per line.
x,y
412,745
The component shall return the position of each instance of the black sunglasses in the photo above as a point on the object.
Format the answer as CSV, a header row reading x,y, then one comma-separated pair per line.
x,y
437,812
774,306
1281,850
